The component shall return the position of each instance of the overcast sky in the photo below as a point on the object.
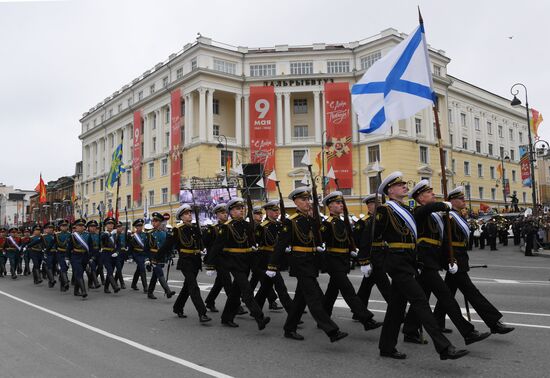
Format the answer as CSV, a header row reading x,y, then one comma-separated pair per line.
x,y
60,58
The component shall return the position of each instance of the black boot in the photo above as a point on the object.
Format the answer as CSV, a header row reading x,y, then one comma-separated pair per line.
x,y
82,287
144,281
106,287
35,276
13,273
66,285
62,282
51,280
76,289
26,271
167,290
120,279
113,283
135,280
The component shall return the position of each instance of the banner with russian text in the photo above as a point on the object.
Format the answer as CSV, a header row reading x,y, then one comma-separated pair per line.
x,y
338,122
136,158
262,129
525,167
175,149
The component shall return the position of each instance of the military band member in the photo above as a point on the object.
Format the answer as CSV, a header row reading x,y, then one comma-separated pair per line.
x,y
12,246
3,256
233,251
121,254
93,255
187,241
297,236
395,225
457,276
137,248
50,251
336,261
159,252
266,235
62,238
79,247
430,228
374,255
107,250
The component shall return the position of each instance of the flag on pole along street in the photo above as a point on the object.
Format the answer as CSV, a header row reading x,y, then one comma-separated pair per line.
x,y
116,167
319,162
499,170
41,190
395,87
536,119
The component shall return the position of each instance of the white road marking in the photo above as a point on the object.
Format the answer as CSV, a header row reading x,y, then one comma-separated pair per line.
x,y
123,340
506,281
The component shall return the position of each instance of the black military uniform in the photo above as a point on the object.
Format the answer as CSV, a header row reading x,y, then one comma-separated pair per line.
x,y
516,229
395,225
266,235
430,227
297,233
492,232
187,241
461,280
233,251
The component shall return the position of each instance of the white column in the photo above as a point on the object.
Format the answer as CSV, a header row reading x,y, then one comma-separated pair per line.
x,y
288,131
246,121
210,114
160,131
317,116
280,133
238,119
202,114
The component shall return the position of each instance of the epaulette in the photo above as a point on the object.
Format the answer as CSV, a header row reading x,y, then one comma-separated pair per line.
x,y
228,221
265,223
293,216
329,219
365,217
180,225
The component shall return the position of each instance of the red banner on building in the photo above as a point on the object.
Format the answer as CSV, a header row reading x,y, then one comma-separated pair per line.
x,y
175,149
338,121
262,129
136,158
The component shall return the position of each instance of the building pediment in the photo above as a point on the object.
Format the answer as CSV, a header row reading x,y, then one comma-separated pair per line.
x,y
298,172
425,170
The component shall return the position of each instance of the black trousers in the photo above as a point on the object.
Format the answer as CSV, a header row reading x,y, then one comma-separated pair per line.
x,y
482,240
339,282
266,287
493,243
191,289
378,277
405,287
223,280
240,288
431,282
308,292
257,277
461,280
529,243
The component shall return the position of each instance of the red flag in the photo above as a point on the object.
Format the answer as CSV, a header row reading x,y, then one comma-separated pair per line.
x,y
483,207
41,190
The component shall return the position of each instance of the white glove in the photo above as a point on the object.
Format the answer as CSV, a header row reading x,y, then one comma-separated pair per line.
x,y
453,268
354,253
113,232
114,254
210,273
321,248
449,205
24,249
366,270
254,247
288,249
203,252
270,273
147,262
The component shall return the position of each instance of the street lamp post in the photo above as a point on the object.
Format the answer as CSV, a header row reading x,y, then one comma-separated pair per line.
x,y
328,144
516,102
504,157
224,146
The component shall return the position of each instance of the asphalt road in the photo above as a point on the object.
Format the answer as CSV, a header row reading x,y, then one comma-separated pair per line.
x,y
46,333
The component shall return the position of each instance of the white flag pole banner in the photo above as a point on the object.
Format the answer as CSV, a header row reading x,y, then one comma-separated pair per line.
x,y
331,174
272,176
306,160
395,87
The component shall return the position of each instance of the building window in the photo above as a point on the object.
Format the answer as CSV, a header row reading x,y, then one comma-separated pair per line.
x,y
224,155
164,167
298,183
373,184
465,143
463,119
216,130
300,106
167,115
225,66
258,70
453,165
128,201
424,154
100,185
476,124
216,106
128,178
164,195
468,190
489,128
152,89
467,168
86,189
194,64
437,70
151,197
301,68
450,115
297,156
93,208
490,151
492,171
451,139
512,155
520,135
179,73
374,153
368,60
165,81
129,102
154,126
511,134
140,95
338,66
480,192
524,197
493,194
119,108
480,170
418,125
500,132
478,146
93,186
513,175
154,145
501,152
151,170
300,131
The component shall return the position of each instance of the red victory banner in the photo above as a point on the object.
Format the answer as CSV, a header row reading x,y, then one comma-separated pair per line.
x,y
524,165
262,129
136,160
338,121
175,149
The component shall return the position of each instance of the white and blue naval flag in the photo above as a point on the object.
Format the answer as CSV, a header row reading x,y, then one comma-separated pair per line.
x,y
395,87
